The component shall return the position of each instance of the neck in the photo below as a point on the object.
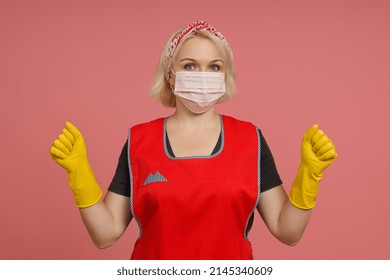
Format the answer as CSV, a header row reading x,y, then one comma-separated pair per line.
x,y
185,119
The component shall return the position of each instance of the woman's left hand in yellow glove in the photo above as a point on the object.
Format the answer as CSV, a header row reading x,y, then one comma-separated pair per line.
x,y
317,153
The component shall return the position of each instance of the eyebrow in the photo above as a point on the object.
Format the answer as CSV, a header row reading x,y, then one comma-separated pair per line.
x,y
191,59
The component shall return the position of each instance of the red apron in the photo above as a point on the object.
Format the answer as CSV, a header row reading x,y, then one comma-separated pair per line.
x,y
194,207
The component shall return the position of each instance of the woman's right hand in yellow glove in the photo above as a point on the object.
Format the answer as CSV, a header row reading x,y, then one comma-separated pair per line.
x,y
69,151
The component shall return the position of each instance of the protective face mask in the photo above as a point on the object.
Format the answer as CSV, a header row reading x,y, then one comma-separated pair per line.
x,y
199,91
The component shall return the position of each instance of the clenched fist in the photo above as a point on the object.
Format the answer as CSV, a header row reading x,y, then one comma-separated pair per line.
x,y
317,153
69,151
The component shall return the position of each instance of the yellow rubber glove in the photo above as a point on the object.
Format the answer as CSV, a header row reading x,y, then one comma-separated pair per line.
x,y
317,153
69,151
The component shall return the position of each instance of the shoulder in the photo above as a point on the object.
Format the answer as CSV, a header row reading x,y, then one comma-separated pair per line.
x,y
146,133
243,127
149,124
228,120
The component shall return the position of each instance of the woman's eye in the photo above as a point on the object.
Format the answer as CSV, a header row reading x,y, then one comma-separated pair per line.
x,y
214,67
189,67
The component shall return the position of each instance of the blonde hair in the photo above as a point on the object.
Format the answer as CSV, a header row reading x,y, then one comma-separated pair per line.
x,y
161,88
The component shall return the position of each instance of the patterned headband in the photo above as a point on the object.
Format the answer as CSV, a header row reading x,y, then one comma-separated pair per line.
x,y
194,26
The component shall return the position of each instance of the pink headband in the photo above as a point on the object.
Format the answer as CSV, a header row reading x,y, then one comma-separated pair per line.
x,y
194,26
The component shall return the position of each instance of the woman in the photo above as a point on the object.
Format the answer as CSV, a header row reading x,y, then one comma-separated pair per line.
x,y
193,180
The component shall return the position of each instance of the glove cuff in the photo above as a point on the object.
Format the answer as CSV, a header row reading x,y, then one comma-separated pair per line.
x,y
304,188
85,189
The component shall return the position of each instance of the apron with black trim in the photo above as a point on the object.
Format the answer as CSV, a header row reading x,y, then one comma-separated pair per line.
x,y
198,207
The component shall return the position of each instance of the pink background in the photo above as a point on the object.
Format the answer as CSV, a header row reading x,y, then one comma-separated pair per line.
x,y
91,62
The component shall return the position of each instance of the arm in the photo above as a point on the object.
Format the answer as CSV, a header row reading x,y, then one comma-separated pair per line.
x,y
287,216
285,221
105,220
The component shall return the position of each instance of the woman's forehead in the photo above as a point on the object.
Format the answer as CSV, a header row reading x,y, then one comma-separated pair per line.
x,y
198,47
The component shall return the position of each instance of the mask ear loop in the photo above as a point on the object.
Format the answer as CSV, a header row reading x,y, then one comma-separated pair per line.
x,y
172,88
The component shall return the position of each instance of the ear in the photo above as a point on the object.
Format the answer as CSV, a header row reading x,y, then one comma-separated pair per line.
x,y
171,80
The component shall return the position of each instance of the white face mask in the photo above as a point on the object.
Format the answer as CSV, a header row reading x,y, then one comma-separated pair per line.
x,y
199,91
